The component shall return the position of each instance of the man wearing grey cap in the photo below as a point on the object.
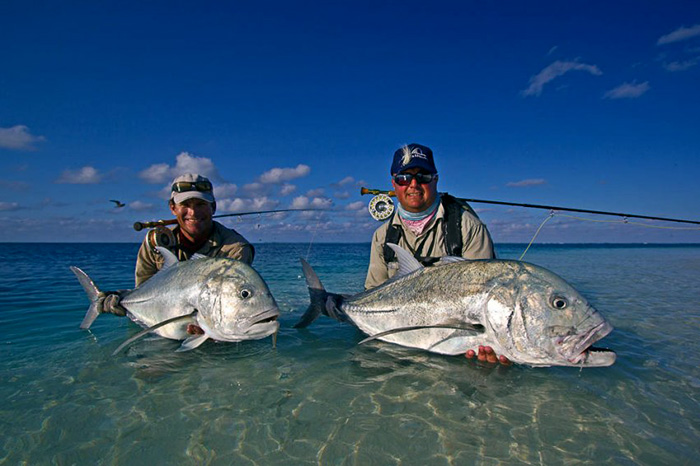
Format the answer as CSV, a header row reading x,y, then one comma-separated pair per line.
x,y
193,205
428,224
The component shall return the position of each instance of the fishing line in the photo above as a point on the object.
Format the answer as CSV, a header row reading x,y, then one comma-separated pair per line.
x,y
308,251
624,221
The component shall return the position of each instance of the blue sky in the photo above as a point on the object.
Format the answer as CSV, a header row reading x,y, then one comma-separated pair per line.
x,y
585,104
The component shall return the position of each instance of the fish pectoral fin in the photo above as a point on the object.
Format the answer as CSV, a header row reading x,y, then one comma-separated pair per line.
x,y
476,329
150,329
169,258
192,342
407,263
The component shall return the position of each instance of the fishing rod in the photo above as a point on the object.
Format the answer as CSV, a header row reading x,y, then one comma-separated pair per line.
x,y
383,206
138,226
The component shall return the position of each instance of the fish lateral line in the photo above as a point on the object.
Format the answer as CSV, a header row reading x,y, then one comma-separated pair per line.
x,y
145,331
476,329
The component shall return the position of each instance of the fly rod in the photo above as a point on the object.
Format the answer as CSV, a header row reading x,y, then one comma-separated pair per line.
x,y
378,192
138,226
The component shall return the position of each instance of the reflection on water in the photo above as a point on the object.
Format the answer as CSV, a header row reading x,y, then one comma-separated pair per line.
x,y
319,398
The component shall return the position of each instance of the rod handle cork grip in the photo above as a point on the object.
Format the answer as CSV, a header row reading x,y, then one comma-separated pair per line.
x,y
364,191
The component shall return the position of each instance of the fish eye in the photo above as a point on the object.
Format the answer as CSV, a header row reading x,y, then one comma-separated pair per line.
x,y
245,293
559,302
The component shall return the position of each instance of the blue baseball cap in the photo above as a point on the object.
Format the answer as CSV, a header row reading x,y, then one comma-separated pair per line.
x,y
413,156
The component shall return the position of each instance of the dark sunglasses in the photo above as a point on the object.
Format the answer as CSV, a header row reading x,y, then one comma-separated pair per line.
x,y
184,186
404,179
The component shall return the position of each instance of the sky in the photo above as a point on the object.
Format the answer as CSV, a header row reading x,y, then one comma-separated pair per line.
x,y
288,105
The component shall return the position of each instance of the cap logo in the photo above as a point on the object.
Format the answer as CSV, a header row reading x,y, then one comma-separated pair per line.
x,y
409,154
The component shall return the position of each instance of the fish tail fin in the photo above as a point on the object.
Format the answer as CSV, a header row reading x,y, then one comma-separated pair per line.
x,y
319,298
93,295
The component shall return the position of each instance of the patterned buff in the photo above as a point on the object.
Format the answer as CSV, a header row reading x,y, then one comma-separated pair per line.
x,y
417,221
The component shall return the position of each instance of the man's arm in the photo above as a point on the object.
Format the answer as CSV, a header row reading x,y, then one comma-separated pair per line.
x,y
377,272
477,243
146,263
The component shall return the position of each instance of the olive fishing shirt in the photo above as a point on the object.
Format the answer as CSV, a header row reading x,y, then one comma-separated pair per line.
x,y
223,242
476,243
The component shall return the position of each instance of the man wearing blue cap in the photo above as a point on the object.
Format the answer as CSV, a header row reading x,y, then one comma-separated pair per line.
x,y
426,223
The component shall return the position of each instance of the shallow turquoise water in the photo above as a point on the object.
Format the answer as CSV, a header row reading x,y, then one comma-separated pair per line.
x,y
318,398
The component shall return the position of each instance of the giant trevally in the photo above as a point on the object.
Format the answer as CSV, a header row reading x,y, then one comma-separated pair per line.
x,y
523,311
226,298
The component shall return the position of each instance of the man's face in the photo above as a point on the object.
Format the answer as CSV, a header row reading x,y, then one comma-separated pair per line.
x,y
194,218
416,197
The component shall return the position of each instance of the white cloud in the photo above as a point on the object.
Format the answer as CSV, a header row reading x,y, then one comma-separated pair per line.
x,y
140,206
287,189
553,71
85,175
681,65
627,91
278,175
344,181
303,202
315,192
359,205
184,163
18,137
682,33
225,190
527,182
246,205
7,206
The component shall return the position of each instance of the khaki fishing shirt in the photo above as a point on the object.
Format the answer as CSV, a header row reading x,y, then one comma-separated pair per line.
x,y
223,242
476,244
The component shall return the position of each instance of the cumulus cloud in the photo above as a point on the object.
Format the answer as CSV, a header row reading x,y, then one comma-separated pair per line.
x,y
278,175
555,70
682,33
303,202
85,175
18,137
287,189
140,206
8,206
184,163
225,190
345,181
627,91
526,183
315,192
359,205
246,205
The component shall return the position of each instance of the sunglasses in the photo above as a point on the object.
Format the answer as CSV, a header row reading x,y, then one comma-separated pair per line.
x,y
404,179
184,186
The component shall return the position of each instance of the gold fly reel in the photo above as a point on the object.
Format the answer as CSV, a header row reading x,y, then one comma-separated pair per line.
x,y
381,207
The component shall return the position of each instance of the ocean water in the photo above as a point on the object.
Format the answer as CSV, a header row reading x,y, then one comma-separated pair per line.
x,y
319,398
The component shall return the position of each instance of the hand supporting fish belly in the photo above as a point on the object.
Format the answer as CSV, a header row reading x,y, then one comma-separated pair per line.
x,y
195,300
521,311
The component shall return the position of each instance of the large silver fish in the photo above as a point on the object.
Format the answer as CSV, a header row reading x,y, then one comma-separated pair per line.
x,y
525,312
226,298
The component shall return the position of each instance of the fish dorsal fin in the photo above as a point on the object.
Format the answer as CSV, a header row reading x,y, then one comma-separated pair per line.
x,y
407,263
168,256
450,260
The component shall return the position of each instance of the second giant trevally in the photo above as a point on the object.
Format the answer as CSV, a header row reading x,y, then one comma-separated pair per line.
x,y
226,298
523,311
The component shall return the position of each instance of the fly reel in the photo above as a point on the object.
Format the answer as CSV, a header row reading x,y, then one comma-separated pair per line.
x,y
161,236
381,207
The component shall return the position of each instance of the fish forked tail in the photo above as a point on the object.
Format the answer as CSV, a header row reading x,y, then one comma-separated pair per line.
x,y
322,302
94,295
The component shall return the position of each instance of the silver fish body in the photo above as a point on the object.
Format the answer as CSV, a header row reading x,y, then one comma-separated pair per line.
x,y
226,298
523,311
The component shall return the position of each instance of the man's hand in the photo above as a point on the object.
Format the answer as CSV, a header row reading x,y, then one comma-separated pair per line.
x,y
486,354
109,304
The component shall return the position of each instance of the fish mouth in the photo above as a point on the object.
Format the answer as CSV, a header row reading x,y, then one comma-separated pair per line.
x,y
259,326
577,349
